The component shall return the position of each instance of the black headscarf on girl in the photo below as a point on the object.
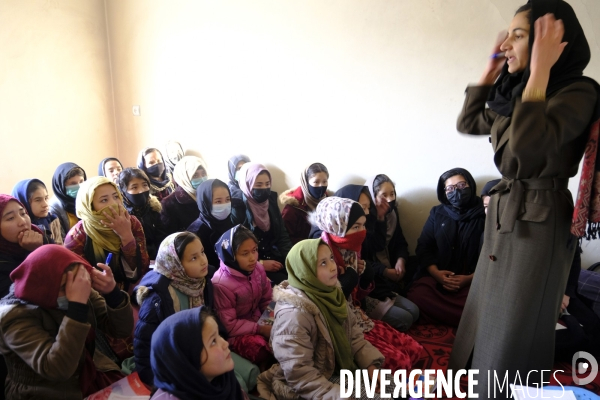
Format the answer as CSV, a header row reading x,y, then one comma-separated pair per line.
x,y
470,220
164,179
232,165
101,171
204,198
225,251
567,70
175,361
59,188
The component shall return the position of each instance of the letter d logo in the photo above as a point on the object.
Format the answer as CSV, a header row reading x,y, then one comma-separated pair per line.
x,y
589,365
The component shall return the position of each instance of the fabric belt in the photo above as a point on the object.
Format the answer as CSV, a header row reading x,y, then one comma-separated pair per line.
x,y
516,194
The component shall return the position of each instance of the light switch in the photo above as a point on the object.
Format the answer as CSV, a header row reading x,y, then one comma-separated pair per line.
x,y
136,111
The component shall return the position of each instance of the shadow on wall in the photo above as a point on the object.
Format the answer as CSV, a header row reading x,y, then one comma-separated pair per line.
x,y
278,181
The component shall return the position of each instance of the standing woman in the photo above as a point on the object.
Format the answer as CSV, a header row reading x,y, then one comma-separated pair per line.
x,y
234,165
150,160
263,218
304,199
179,209
540,107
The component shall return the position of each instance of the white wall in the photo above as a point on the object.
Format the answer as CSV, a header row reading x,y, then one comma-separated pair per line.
x,y
365,87
55,88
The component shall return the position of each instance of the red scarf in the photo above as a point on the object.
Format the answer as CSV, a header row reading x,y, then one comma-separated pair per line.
x,y
351,242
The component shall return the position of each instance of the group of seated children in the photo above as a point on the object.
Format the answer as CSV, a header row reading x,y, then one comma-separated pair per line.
x,y
334,264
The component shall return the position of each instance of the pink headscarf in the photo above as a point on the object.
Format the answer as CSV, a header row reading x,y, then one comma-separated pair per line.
x,y
260,211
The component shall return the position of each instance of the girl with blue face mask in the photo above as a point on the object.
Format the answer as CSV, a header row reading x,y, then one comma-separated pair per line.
x,y
179,209
218,213
65,185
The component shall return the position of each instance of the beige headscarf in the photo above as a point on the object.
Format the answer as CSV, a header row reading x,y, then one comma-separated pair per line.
x,y
184,170
103,238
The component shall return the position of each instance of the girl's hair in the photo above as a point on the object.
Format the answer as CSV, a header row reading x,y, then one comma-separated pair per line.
x,y
77,171
315,169
240,236
525,8
380,180
181,242
128,174
33,186
449,174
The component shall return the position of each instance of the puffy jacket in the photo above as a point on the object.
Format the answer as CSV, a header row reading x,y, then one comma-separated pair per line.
x,y
240,300
302,345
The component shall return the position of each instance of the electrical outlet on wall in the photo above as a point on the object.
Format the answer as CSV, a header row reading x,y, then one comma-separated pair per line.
x,y
136,111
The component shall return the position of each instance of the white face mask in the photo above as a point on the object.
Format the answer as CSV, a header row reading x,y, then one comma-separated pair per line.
x,y
221,211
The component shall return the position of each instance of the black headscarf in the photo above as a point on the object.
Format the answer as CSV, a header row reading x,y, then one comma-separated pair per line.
x,y
204,197
225,251
175,360
567,70
488,186
232,165
58,185
101,171
164,181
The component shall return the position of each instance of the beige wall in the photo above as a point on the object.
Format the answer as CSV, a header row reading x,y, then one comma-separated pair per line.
x,y
365,87
55,88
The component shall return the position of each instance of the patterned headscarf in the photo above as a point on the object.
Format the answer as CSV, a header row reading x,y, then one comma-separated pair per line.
x,y
103,237
311,202
183,172
169,265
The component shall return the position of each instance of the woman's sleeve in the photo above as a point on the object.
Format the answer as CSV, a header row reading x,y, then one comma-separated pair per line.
x,y
284,244
290,219
267,294
57,231
474,118
54,358
225,305
544,127
293,348
399,244
364,353
148,323
427,251
75,239
135,253
117,322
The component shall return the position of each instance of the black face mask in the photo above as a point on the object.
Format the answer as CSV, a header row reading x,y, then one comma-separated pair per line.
x,y
317,191
460,197
261,195
156,170
392,206
139,199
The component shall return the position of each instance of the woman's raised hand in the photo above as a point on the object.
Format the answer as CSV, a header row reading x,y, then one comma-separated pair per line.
x,y
547,44
30,240
119,222
78,286
494,64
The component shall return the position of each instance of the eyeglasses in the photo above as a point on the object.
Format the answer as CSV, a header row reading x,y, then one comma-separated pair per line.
x,y
459,185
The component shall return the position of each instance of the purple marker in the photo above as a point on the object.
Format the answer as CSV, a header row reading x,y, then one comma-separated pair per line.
x,y
498,55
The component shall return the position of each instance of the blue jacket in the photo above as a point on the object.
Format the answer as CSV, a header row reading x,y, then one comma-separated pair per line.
x,y
156,304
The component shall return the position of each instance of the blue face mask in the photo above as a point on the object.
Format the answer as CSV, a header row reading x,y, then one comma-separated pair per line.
x,y
237,175
198,181
72,190
63,303
221,211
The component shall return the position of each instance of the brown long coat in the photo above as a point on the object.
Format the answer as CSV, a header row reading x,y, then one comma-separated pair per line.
x,y
513,305
44,349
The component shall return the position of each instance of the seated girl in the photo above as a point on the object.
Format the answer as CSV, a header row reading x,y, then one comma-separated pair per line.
x,y
219,212
343,224
32,193
179,209
150,160
178,282
315,333
48,325
106,227
135,189
299,202
173,153
110,167
242,293
65,185
18,238
234,165
383,302
264,219
192,369
448,249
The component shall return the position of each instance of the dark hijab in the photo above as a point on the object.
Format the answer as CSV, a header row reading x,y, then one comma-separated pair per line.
x,y
59,188
232,164
175,360
204,198
101,171
164,181
567,70
488,186
226,252
20,192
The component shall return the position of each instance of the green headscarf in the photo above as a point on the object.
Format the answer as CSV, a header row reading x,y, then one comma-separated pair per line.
x,y
301,265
